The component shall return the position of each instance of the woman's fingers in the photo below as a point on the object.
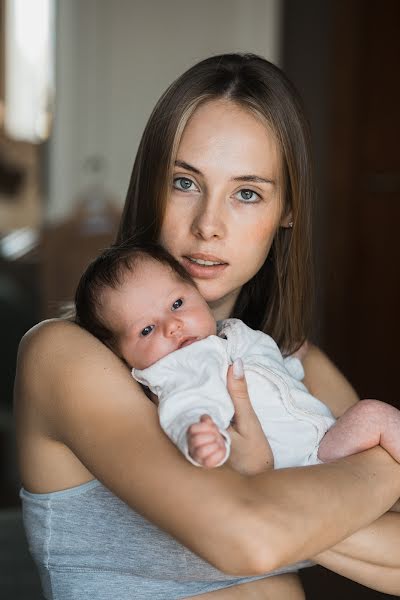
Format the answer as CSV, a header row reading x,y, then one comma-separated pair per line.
x,y
250,450
245,418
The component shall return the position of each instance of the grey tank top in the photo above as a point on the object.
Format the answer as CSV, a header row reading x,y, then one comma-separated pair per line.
x,y
87,543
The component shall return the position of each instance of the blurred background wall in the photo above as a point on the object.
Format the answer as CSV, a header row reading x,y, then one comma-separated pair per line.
x,y
114,61
61,196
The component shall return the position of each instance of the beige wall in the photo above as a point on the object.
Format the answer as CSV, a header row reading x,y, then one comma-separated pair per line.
x,y
114,60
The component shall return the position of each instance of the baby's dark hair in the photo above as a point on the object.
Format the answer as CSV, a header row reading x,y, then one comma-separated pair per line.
x,y
108,271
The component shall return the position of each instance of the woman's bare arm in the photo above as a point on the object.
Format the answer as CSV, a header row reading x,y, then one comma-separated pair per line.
x,y
88,401
324,380
371,556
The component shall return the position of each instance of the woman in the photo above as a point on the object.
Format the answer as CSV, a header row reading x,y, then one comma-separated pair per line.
x,y
222,180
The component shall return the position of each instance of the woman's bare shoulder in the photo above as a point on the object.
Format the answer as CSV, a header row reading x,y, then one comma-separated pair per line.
x,y
68,382
53,336
61,349
59,364
325,381
59,361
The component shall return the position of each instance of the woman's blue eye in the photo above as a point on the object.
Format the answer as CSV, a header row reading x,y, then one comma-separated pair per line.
x,y
177,304
147,330
247,196
183,183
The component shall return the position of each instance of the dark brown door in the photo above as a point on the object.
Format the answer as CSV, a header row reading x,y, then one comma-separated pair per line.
x,y
344,56
361,324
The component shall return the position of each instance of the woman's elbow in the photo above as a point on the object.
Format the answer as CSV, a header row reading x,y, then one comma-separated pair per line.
x,y
250,550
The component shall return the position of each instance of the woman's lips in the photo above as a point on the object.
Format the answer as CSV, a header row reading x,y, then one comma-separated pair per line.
x,y
204,271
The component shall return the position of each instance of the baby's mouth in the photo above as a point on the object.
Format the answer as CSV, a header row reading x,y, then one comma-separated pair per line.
x,y
186,342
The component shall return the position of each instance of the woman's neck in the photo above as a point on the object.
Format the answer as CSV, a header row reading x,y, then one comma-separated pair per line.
x,y
223,308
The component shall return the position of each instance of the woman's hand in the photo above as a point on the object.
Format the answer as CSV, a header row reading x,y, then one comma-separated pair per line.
x,y
250,451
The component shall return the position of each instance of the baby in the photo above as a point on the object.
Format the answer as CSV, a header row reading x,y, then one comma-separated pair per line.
x,y
143,304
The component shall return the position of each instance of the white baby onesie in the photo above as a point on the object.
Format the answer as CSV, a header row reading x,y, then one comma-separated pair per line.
x,y
191,382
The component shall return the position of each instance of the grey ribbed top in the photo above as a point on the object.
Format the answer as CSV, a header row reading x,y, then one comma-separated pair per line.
x,y
88,544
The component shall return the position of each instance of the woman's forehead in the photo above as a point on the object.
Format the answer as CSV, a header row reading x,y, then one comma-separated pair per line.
x,y
224,134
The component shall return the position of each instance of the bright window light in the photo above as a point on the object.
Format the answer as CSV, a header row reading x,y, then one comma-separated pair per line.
x,y
29,68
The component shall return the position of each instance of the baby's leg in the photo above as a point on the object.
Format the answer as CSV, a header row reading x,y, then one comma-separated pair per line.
x,y
367,424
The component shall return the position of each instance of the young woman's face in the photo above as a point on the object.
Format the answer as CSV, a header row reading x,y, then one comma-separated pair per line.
x,y
225,203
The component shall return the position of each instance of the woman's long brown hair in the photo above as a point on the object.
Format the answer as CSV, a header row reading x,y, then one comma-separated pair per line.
x,y
278,298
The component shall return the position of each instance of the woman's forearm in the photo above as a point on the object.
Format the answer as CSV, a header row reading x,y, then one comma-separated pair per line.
x,y
378,543
312,509
370,556
378,577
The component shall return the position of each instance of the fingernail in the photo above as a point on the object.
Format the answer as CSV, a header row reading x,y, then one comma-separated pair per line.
x,y
238,368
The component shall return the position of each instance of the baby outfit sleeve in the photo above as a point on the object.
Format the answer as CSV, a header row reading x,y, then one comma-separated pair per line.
x,y
189,383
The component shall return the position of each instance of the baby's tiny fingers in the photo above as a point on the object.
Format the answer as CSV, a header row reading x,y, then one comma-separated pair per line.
x,y
214,459
202,438
206,450
203,427
205,418
208,420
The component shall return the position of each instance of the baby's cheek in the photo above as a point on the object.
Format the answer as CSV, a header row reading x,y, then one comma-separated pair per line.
x,y
146,353
203,324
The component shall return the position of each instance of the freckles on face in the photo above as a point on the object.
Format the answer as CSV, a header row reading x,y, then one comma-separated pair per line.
x,y
225,203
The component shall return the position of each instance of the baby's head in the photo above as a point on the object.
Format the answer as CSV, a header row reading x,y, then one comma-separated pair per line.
x,y
141,302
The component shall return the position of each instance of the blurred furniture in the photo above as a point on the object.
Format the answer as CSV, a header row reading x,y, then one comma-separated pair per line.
x,y
19,311
67,248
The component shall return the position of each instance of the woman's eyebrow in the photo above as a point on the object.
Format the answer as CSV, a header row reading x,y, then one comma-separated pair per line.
x,y
248,178
253,178
185,165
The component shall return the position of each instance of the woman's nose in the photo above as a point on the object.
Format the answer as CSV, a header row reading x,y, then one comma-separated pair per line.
x,y
208,222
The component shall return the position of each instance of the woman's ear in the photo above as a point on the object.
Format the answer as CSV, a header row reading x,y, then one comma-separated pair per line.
x,y
287,220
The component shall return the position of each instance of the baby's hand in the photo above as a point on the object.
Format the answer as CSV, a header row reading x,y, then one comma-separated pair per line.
x,y
205,442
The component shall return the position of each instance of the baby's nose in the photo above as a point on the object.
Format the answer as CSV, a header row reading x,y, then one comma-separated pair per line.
x,y
174,326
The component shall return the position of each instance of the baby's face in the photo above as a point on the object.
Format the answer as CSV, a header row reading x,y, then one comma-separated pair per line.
x,y
154,313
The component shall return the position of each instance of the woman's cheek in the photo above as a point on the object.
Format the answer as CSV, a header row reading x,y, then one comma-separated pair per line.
x,y
258,241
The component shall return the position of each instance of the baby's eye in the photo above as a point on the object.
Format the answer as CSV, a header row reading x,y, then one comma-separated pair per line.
x,y
147,330
184,184
177,304
249,196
